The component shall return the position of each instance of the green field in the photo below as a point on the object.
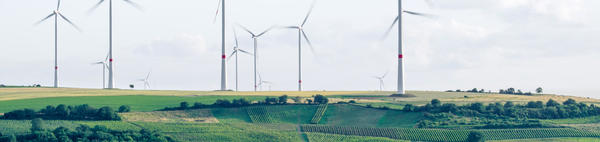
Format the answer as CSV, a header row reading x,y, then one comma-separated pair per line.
x,y
137,103
282,123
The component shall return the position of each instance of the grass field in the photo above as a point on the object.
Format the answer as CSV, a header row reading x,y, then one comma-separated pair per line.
x,y
283,122
552,140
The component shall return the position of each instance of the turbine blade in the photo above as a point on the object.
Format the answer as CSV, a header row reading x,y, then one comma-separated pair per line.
x,y
235,36
244,51
310,45
95,7
231,56
246,29
420,14
106,59
58,5
148,76
269,29
47,17
385,74
69,21
308,14
135,5
217,13
387,32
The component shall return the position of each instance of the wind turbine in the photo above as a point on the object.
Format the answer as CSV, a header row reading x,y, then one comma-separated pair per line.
x,y
104,66
255,38
236,50
301,34
111,75
223,56
56,13
146,81
400,51
381,82
264,82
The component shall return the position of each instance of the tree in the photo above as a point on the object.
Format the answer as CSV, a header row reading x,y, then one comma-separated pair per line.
x,y
283,99
436,103
107,113
570,102
124,108
551,103
184,105
475,136
297,99
407,107
320,99
477,107
539,90
37,125
509,104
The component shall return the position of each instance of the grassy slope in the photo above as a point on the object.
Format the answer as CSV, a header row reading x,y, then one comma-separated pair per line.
x,y
551,140
350,115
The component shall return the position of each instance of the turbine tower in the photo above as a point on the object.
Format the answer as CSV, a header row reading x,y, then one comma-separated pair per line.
x,y
236,50
301,34
223,56
56,13
111,74
401,89
104,66
255,38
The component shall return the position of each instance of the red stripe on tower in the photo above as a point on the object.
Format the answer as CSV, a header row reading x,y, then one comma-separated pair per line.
x,y
400,56
56,67
299,81
110,60
223,56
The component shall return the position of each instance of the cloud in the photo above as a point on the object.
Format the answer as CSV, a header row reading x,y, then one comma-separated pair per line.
x,y
183,45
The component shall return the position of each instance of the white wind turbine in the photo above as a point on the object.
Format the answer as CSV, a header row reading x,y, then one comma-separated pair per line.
x,y
104,66
223,56
301,34
111,75
56,13
381,82
236,50
146,81
255,38
262,82
401,89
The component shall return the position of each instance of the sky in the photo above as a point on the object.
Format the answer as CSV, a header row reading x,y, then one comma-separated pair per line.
x,y
489,44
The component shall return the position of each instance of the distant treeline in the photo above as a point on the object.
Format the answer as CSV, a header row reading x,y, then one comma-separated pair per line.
x,y
64,112
511,91
533,109
281,100
84,133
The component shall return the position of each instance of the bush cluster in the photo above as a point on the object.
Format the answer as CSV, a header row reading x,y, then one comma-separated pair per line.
x,y
224,103
84,133
64,112
533,109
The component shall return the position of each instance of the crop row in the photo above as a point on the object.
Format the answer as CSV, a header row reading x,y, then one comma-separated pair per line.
x,y
446,135
259,114
319,114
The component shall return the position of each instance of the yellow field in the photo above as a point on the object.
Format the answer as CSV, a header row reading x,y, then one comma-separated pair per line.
x,y
28,93
198,115
421,96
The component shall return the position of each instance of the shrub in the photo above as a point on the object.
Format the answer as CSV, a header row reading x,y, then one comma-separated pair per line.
x,y
125,108
475,136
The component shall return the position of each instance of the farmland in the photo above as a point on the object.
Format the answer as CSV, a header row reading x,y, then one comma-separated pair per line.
x,y
289,122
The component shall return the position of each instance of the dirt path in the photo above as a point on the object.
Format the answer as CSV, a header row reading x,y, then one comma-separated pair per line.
x,y
302,135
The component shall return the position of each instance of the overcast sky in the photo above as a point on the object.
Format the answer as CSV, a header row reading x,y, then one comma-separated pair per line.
x,y
488,44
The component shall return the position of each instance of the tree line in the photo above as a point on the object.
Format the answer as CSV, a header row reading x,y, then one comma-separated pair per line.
x,y
83,133
220,103
64,112
533,109
510,91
